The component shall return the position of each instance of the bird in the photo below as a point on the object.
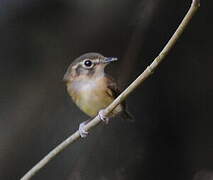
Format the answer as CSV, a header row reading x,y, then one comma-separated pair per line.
x,y
91,89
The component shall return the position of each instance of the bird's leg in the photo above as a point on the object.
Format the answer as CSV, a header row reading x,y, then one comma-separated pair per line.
x,y
83,133
103,117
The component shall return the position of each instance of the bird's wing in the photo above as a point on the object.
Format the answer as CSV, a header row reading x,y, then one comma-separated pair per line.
x,y
112,88
114,91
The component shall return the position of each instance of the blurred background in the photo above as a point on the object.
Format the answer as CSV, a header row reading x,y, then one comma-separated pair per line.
x,y
172,135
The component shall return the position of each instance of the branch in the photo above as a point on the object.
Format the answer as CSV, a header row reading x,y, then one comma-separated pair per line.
x,y
148,71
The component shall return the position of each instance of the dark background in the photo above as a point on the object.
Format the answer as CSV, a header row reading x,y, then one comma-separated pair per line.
x,y
171,138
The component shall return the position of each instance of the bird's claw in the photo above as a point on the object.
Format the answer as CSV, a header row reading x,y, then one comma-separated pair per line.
x,y
103,117
83,133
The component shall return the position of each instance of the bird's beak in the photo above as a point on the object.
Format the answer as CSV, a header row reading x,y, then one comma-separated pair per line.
x,y
109,59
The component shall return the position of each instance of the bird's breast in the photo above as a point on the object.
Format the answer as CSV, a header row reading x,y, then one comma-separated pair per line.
x,y
90,96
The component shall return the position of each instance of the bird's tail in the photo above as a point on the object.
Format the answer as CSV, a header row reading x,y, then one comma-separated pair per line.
x,y
127,116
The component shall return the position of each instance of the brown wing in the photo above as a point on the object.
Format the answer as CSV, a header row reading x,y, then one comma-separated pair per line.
x,y
112,86
114,91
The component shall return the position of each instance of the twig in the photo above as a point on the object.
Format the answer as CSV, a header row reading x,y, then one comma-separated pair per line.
x,y
148,71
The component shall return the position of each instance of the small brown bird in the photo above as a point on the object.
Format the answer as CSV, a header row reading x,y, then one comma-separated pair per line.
x,y
91,89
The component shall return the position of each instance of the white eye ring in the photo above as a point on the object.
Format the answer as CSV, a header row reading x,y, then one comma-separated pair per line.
x,y
87,63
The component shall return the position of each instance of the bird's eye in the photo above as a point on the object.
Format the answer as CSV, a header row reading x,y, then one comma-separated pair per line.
x,y
88,63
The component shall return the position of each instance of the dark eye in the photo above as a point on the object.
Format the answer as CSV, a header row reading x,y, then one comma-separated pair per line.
x,y
88,63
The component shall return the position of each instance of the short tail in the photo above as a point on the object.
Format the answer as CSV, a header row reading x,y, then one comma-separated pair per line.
x,y
127,116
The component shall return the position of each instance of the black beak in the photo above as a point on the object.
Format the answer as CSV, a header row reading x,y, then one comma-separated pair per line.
x,y
109,59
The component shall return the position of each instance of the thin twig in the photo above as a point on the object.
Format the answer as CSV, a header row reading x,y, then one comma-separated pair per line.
x,y
148,71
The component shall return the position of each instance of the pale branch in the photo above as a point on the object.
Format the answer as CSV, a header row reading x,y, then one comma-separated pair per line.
x,y
148,71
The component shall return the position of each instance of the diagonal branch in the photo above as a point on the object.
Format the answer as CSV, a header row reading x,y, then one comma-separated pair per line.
x,y
148,71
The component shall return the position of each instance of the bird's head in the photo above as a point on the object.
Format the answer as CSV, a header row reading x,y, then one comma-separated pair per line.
x,y
88,65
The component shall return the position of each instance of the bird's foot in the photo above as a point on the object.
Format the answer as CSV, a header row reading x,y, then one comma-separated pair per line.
x,y
103,117
83,133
